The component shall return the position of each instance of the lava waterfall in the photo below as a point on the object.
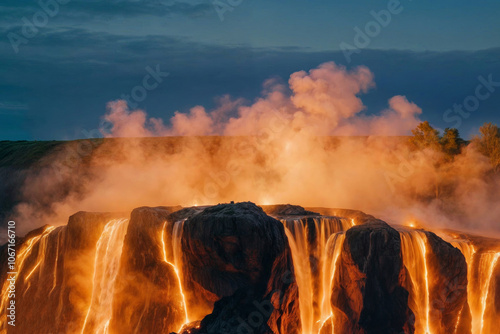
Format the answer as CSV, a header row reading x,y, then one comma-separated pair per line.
x,y
241,268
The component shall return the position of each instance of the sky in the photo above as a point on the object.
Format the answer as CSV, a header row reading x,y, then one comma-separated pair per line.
x,y
62,61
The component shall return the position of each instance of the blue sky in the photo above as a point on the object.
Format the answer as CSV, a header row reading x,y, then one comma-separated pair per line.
x,y
91,52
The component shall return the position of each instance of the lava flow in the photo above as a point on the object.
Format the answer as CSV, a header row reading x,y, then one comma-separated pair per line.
x,y
32,250
314,268
105,275
177,259
490,262
414,248
106,265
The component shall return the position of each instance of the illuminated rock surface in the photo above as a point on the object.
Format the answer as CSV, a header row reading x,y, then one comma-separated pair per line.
x,y
147,295
368,294
235,268
238,252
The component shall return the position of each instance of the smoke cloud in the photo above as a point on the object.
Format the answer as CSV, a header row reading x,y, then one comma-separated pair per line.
x,y
309,143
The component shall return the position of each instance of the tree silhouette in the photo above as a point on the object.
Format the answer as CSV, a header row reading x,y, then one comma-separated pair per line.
x,y
451,143
488,143
425,136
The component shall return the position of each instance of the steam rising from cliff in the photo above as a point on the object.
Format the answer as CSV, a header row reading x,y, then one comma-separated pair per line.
x,y
278,149
324,101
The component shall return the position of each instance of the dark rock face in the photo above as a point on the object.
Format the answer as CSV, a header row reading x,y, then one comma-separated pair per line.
x,y
238,252
448,285
147,296
368,296
242,312
287,210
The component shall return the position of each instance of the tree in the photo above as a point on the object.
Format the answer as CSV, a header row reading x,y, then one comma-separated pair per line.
x,y
425,136
441,153
451,143
488,143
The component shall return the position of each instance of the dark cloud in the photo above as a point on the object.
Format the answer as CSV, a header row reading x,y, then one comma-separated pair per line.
x,y
134,8
85,9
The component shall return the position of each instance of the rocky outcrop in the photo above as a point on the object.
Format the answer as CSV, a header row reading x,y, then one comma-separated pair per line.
x,y
54,282
358,217
368,296
75,268
147,296
229,268
237,254
286,210
448,286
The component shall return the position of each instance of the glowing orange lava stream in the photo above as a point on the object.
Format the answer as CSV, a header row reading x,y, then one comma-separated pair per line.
x,y
334,245
468,252
315,282
486,291
106,266
21,256
298,245
54,283
329,241
414,246
178,276
27,277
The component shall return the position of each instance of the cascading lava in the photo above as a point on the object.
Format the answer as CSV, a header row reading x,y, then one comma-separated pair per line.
x,y
107,260
234,268
315,247
414,249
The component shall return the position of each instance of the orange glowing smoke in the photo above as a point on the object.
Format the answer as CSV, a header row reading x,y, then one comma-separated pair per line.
x,y
276,149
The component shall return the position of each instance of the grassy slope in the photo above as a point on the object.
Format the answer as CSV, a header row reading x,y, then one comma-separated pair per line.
x,y
23,154
16,157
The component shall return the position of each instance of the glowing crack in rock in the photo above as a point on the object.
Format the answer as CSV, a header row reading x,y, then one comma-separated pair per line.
x,y
184,305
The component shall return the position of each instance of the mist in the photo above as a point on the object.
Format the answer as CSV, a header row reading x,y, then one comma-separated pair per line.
x,y
309,142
